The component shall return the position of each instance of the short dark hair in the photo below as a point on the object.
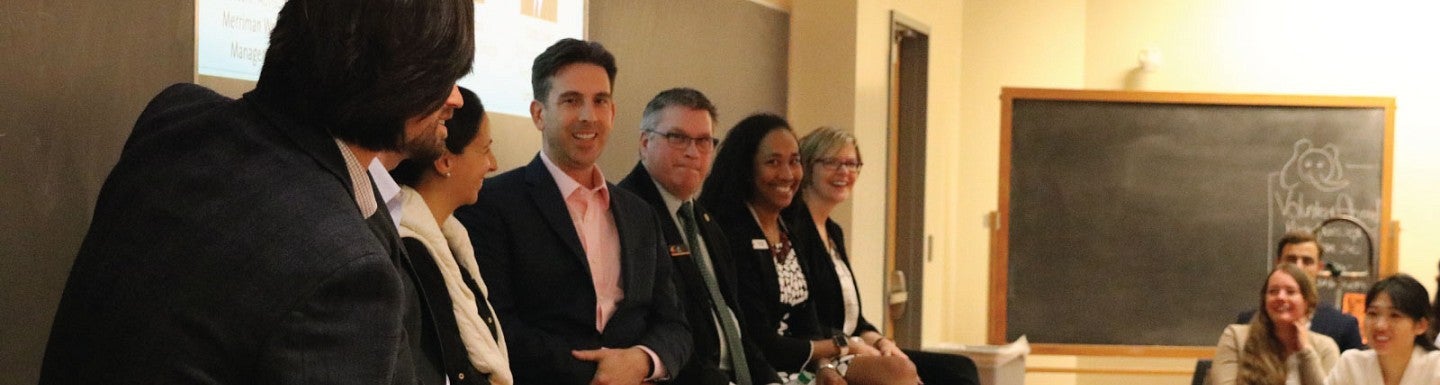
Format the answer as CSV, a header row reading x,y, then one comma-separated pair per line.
x,y
361,68
732,179
1410,298
1295,237
462,129
679,96
563,53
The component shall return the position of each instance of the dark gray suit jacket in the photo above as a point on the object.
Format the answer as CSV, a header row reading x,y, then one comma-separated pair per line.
x,y
704,364
539,278
226,248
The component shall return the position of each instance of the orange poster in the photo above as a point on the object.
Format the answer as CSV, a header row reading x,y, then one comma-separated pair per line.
x,y
543,9
1354,304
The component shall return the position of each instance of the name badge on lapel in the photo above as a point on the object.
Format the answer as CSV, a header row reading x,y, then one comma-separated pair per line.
x,y
677,251
759,244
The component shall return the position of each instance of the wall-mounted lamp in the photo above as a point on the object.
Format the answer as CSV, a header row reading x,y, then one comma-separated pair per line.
x,y
1150,59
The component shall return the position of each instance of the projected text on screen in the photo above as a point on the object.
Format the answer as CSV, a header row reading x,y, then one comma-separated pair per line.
x,y
232,35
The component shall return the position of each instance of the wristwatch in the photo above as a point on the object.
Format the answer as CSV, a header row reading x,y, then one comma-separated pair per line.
x,y
841,343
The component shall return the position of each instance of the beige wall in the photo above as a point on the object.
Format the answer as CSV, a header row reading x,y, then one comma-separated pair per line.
x,y
1280,46
1300,47
839,83
660,44
1033,43
942,19
822,93
73,79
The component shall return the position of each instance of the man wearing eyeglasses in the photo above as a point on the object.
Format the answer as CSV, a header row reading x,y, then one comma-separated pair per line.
x,y
677,142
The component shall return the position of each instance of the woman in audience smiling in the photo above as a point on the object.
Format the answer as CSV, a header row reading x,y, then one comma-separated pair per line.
x,y
1397,316
1277,346
472,342
757,172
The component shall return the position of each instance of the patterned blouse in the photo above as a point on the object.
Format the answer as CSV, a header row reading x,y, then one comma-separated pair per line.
x,y
793,289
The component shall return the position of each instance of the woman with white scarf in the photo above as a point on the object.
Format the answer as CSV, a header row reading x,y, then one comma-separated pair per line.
x,y
471,342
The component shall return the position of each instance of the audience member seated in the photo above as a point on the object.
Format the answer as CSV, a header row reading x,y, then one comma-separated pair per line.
x,y
1301,248
756,174
1277,346
1401,351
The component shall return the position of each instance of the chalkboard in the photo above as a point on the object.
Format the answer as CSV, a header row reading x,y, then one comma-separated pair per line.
x,y
1149,219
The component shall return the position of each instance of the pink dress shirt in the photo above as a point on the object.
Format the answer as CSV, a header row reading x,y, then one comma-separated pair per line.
x,y
595,225
590,212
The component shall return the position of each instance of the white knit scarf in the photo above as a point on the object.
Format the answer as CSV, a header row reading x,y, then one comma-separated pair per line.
x,y
486,352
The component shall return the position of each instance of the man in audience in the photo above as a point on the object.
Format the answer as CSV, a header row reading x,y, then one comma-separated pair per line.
x,y
677,142
241,241
1301,248
577,269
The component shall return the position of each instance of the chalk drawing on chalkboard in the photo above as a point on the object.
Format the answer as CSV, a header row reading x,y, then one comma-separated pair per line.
x,y
1311,187
1319,167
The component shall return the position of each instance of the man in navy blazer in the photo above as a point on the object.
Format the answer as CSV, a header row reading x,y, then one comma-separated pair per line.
x,y
1302,249
677,143
240,241
577,269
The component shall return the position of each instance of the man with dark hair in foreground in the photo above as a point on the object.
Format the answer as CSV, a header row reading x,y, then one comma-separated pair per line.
x,y
241,241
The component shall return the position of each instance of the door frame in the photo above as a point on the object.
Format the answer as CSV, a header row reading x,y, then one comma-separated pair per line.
x,y
901,26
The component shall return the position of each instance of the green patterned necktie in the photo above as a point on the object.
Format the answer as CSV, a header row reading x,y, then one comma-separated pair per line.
x,y
731,326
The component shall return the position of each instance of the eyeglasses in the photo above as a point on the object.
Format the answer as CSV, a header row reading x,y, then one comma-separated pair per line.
x,y
834,164
681,141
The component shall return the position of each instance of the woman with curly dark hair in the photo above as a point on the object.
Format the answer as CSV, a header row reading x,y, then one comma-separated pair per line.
x,y
756,174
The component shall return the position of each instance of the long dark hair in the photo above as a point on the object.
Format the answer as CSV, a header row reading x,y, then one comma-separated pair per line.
x,y
462,128
732,178
361,68
1435,310
1410,298
1263,360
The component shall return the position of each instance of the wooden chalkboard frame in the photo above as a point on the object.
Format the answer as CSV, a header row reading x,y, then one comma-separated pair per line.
x,y
999,255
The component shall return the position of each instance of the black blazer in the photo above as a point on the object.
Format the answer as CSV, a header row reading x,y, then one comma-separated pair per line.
x,y
1328,320
444,345
226,248
704,364
933,368
531,259
825,290
786,350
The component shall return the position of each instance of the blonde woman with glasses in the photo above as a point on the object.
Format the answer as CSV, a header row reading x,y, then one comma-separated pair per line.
x,y
832,164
